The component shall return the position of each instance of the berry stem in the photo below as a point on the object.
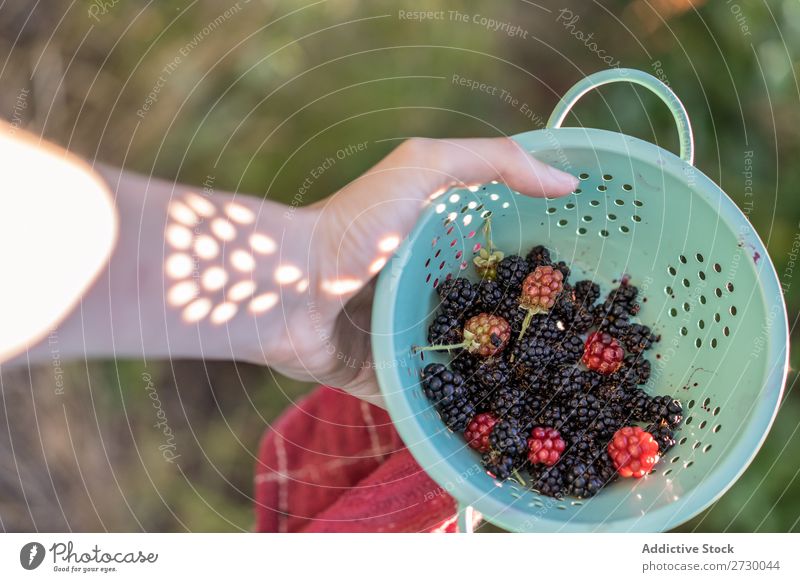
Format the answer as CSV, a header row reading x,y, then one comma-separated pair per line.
x,y
470,343
531,311
517,476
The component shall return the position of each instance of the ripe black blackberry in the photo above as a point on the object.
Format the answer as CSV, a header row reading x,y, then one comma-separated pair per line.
x,y
663,435
445,329
635,370
581,445
565,305
498,465
569,350
612,318
532,353
493,373
465,364
638,338
587,293
581,479
511,272
551,415
441,386
624,295
538,256
508,438
582,320
582,410
548,481
507,402
547,327
604,466
457,296
457,414
510,310
490,295
566,382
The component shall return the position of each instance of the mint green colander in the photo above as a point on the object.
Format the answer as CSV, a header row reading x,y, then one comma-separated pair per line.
x,y
709,290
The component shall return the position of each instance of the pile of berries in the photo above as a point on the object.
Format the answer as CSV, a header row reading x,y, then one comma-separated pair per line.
x,y
544,379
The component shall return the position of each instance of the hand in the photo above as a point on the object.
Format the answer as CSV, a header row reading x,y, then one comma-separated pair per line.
x,y
354,231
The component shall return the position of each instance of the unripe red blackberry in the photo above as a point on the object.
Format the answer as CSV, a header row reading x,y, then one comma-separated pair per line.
x,y
540,290
602,353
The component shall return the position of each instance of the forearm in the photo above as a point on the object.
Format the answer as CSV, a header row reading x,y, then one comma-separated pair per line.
x,y
193,274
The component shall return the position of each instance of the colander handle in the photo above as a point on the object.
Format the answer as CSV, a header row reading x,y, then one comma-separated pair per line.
x,y
632,76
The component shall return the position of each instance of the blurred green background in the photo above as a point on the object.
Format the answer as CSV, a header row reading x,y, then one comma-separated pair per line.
x,y
252,95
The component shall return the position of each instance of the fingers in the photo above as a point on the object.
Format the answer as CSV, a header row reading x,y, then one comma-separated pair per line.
x,y
474,161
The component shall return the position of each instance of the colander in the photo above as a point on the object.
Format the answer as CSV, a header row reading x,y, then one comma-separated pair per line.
x,y
708,287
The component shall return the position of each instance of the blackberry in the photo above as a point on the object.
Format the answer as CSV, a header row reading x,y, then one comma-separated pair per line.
x,y
565,305
663,435
490,295
569,350
445,329
674,413
563,267
546,327
635,370
441,386
580,446
567,382
624,295
582,320
638,338
538,256
587,293
458,296
457,414
581,479
605,424
510,310
612,318
465,364
551,415
653,409
508,438
549,481
511,272
532,353
493,373
507,402
604,466
500,466
583,410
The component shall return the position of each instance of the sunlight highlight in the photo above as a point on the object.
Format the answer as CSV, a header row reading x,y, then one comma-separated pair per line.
x,y
243,261
286,274
214,278
201,205
238,213
181,293
263,303
341,286
197,310
206,247
182,213
262,244
388,243
377,265
223,312
179,265
179,236
302,285
241,290
223,229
